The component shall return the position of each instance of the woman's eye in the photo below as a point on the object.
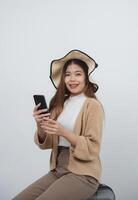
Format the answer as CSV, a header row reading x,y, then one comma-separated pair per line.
x,y
75,74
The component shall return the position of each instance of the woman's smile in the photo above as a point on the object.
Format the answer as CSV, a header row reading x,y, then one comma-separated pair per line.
x,y
72,86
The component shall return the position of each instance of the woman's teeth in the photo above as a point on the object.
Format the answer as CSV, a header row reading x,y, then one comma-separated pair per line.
x,y
73,85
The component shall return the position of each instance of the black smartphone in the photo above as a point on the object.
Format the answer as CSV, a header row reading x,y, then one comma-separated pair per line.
x,y
40,99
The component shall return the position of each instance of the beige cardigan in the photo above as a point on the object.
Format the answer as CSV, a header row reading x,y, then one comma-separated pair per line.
x,y
84,157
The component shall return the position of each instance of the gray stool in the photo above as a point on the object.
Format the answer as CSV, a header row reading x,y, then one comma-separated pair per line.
x,y
103,192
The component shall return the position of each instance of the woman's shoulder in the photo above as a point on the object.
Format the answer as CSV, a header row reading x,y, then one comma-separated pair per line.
x,y
93,103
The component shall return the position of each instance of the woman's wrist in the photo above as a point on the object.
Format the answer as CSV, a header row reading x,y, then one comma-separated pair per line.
x,y
71,137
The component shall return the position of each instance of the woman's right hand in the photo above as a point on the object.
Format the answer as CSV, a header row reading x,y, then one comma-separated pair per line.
x,y
39,114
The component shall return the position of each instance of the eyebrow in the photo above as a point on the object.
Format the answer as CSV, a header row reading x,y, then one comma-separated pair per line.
x,y
75,71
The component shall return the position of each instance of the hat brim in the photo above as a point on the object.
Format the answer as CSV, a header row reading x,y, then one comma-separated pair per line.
x,y
57,65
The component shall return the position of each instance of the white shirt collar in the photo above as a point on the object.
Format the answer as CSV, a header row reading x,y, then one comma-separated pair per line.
x,y
77,96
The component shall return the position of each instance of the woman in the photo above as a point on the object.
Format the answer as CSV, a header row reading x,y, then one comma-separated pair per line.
x,y
72,128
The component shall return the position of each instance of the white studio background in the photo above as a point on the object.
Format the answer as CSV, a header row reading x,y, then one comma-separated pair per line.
x,y
32,34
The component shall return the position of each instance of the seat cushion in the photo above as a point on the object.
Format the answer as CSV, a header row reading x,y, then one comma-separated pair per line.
x,y
103,192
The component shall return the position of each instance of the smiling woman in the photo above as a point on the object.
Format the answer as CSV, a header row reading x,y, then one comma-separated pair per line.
x,y
72,128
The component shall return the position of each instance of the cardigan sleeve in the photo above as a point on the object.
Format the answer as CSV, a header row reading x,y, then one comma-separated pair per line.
x,y
88,144
47,144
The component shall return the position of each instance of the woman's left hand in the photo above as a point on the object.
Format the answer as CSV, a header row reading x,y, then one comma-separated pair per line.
x,y
51,126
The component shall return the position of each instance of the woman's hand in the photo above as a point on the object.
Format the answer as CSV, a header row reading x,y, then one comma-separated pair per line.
x,y
51,126
39,114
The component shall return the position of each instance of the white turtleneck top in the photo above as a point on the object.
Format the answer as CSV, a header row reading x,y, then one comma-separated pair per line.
x,y
67,117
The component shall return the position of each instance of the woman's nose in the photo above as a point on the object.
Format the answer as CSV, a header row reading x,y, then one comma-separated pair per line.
x,y
72,77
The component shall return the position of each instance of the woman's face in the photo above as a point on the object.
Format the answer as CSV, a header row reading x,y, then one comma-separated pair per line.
x,y
75,79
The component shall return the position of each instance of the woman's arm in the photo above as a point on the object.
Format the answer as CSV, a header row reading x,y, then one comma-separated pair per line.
x,y
71,137
42,139
88,144
41,134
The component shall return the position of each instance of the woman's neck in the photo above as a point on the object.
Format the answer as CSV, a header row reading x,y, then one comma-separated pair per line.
x,y
76,95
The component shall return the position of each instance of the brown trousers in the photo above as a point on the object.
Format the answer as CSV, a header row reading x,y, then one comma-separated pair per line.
x,y
60,184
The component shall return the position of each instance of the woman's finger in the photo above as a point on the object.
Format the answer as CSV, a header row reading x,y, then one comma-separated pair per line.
x,y
51,121
47,125
36,107
38,118
46,119
49,131
41,111
41,115
45,115
49,128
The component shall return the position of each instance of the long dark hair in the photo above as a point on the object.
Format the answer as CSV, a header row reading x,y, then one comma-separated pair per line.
x,y
62,93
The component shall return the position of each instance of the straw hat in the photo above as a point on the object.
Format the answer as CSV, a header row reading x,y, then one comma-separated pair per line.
x,y
57,65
